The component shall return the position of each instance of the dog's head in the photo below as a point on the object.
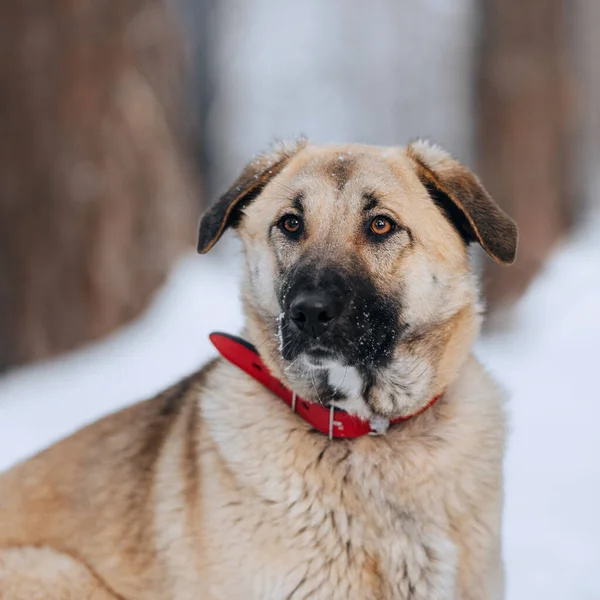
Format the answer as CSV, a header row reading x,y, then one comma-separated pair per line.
x,y
358,287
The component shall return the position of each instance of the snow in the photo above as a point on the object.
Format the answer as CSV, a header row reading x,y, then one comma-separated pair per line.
x,y
547,361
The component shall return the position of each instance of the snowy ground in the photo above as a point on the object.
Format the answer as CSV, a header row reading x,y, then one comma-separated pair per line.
x,y
548,362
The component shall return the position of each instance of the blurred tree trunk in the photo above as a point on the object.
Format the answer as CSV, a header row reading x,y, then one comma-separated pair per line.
x,y
94,197
525,130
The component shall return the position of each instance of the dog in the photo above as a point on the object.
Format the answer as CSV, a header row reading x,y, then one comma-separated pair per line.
x,y
361,301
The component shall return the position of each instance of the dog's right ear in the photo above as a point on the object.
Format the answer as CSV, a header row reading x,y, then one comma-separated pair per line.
x,y
227,211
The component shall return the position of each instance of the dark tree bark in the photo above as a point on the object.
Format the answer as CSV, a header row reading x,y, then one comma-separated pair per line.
x,y
95,201
525,130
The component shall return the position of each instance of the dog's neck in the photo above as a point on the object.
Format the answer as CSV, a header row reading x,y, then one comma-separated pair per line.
x,y
335,423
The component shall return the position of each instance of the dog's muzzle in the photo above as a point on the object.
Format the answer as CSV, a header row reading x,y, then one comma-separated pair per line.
x,y
335,314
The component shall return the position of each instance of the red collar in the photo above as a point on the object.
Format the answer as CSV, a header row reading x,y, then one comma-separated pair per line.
x,y
333,422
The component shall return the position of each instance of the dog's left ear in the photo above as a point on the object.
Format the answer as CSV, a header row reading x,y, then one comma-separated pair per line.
x,y
465,202
227,211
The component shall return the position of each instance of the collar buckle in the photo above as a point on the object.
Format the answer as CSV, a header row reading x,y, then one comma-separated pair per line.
x,y
379,425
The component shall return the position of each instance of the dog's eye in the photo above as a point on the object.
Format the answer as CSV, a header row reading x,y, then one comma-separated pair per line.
x,y
291,225
381,226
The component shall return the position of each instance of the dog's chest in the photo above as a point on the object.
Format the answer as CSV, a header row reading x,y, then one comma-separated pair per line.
x,y
314,549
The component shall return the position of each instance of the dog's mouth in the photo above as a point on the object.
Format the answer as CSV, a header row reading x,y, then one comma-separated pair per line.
x,y
295,346
366,346
319,356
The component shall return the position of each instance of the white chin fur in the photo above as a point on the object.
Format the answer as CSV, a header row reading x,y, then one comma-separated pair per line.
x,y
344,379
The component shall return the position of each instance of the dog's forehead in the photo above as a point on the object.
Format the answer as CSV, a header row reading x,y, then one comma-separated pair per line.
x,y
350,170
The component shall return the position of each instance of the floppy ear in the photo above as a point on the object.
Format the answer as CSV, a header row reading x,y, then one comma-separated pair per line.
x,y
465,202
226,212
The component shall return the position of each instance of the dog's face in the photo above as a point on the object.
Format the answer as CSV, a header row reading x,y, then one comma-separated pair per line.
x,y
358,288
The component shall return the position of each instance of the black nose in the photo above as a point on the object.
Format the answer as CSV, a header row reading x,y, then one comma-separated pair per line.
x,y
314,311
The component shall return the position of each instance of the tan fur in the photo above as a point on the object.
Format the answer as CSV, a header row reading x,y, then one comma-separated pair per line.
x,y
215,489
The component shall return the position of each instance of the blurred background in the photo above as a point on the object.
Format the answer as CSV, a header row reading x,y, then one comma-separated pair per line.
x,y
121,121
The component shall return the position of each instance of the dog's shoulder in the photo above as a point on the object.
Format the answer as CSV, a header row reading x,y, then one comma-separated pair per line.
x,y
104,468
